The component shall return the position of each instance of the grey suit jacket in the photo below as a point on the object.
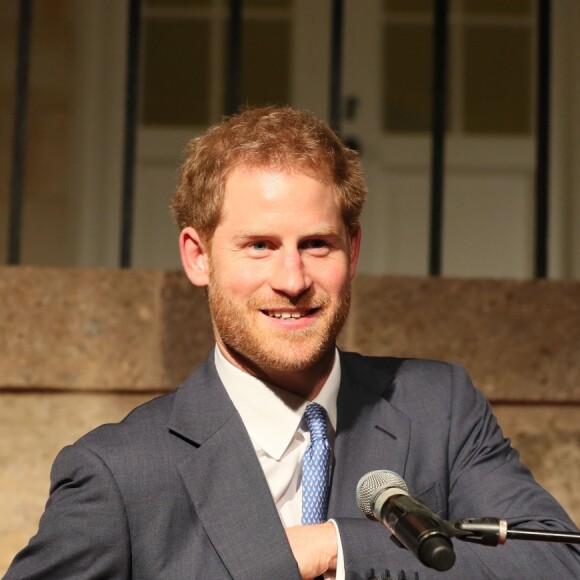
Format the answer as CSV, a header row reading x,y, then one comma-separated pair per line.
x,y
175,490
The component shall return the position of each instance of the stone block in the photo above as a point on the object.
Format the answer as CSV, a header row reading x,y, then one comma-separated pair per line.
x,y
33,429
548,439
144,330
100,329
520,340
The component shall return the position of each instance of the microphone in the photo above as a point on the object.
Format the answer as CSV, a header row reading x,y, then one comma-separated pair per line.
x,y
383,496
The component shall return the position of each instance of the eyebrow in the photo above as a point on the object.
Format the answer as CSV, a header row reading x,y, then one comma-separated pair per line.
x,y
256,234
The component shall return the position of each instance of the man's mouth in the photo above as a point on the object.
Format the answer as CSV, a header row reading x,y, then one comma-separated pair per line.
x,y
287,314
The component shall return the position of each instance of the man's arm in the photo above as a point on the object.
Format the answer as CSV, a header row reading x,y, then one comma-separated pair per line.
x,y
83,532
482,476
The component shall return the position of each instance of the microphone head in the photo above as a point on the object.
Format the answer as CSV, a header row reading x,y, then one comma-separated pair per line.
x,y
374,483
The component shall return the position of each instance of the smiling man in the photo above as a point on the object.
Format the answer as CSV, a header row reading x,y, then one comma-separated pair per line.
x,y
248,471
278,270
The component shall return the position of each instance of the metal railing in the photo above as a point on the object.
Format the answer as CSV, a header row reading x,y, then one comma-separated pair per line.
x,y
233,92
19,137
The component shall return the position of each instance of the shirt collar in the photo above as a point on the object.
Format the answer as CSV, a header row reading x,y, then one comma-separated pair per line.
x,y
270,414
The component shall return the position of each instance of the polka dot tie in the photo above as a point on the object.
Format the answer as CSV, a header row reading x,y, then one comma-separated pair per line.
x,y
315,470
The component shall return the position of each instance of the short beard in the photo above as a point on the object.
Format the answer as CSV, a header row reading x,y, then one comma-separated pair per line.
x,y
286,351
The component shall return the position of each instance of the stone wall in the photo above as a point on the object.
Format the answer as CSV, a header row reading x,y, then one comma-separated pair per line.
x,y
82,347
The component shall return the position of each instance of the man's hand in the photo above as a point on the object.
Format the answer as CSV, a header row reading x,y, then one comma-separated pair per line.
x,y
315,548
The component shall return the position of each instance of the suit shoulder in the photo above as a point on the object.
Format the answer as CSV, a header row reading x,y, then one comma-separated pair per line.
x,y
147,426
145,421
395,376
398,366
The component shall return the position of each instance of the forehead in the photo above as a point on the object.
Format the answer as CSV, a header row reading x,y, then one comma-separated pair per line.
x,y
257,193
255,181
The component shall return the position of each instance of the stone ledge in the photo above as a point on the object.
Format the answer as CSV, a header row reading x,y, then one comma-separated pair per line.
x,y
134,330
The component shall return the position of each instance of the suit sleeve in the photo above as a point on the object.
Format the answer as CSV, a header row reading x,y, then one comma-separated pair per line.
x,y
483,477
83,532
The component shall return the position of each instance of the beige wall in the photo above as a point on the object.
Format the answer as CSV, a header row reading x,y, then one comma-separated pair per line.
x,y
82,347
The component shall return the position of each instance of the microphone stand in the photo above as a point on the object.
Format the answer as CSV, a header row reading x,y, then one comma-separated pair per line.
x,y
493,532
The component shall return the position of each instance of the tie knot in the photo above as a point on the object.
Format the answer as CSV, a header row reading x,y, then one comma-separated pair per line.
x,y
315,416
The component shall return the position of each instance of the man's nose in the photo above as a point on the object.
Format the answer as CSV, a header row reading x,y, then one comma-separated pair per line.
x,y
289,274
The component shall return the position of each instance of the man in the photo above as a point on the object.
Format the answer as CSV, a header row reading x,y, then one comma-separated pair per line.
x,y
216,480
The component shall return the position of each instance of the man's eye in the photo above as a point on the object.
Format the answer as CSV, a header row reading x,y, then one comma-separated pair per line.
x,y
316,244
259,246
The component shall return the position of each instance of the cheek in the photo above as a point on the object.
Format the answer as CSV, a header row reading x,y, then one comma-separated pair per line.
x,y
334,277
239,281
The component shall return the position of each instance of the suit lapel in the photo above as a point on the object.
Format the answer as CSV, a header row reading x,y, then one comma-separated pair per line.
x,y
371,433
226,483
227,486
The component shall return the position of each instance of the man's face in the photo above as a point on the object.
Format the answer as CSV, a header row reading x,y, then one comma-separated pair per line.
x,y
280,263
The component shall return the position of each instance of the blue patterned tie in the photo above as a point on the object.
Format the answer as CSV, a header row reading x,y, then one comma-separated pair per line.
x,y
315,471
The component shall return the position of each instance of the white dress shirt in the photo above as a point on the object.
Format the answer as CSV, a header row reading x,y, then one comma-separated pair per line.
x,y
274,420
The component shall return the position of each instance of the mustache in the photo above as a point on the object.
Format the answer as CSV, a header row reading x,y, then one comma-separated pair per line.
x,y
308,301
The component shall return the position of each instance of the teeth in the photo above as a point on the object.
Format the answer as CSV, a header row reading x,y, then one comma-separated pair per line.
x,y
285,315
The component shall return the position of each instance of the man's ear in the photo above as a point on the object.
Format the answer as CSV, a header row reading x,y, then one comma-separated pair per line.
x,y
194,257
355,239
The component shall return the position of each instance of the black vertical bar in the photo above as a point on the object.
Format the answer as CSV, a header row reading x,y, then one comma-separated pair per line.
x,y
131,116
543,138
234,76
438,133
336,42
19,137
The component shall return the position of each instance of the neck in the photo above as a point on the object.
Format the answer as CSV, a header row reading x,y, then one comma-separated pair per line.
x,y
306,383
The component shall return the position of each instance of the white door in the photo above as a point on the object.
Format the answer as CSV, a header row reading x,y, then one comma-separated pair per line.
x,y
488,202
489,173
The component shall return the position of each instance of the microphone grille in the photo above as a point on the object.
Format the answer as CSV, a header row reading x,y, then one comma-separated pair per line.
x,y
371,484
